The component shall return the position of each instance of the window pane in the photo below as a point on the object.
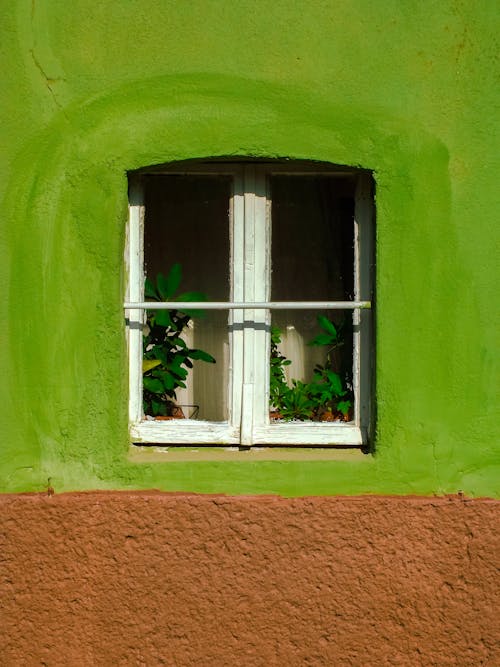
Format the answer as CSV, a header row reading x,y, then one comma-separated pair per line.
x,y
187,224
312,260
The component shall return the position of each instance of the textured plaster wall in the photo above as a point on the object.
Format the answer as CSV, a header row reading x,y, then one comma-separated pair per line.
x,y
91,90
156,579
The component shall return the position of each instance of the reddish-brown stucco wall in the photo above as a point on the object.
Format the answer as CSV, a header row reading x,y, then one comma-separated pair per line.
x,y
150,579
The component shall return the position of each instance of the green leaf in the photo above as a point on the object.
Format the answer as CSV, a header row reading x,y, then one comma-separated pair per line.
x,y
178,371
203,356
158,408
335,383
193,296
344,407
275,335
168,285
162,318
153,385
322,339
169,381
179,356
162,286
150,290
327,325
160,353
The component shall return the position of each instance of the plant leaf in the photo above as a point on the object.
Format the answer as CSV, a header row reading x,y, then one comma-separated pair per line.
x,y
169,381
158,408
160,353
327,325
344,407
193,296
148,364
203,356
322,339
177,370
153,385
162,318
168,285
150,290
335,383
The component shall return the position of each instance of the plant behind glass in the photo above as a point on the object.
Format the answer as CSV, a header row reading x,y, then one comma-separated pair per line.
x,y
326,397
277,384
166,357
328,387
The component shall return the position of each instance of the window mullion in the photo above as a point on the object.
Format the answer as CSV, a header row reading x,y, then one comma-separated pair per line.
x,y
248,393
254,336
261,293
236,317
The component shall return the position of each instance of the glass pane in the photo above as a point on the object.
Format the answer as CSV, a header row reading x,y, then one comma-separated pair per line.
x,y
186,240
312,260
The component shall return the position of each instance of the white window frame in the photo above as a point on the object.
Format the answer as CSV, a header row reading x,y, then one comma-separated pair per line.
x,y
248,421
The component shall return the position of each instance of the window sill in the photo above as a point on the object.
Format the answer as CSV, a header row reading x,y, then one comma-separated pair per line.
x,y
289,434
162,454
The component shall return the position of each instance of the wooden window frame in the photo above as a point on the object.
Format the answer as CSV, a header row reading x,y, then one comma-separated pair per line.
x,y
248,410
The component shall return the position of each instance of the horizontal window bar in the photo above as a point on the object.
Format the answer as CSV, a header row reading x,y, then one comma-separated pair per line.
x,y
262,305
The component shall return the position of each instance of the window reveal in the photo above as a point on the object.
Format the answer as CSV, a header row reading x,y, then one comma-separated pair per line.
x,y
294,241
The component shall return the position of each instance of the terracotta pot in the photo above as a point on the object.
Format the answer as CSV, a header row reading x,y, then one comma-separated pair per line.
x,y
177,413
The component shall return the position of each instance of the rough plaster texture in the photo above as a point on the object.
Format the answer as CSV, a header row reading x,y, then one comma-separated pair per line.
x,y
127,579
91,90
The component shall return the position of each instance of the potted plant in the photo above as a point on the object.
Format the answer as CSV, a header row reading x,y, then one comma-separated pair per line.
x,y
328,387
326,398
167,358
277,381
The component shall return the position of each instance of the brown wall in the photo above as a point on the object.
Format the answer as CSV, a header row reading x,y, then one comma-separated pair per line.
x,y
157,579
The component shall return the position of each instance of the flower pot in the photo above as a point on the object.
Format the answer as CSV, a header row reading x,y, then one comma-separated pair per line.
x,y
177,413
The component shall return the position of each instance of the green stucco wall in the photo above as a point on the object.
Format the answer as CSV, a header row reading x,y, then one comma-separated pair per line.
x,y
93,89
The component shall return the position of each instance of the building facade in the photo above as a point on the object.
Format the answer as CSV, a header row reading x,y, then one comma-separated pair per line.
x,y
118,554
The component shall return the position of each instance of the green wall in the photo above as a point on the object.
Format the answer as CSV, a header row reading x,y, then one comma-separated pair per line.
x,y
93,89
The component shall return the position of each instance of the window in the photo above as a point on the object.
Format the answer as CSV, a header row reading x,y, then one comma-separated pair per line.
x,y
279,258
